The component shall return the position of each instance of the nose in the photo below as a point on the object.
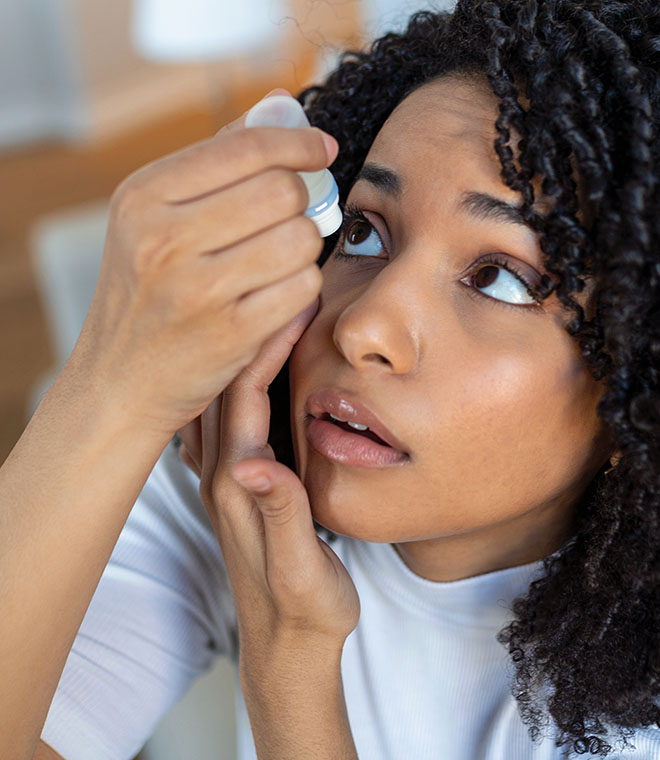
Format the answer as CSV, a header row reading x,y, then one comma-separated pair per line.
x,y
376,330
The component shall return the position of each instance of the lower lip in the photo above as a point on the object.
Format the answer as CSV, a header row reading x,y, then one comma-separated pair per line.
x,y
350,448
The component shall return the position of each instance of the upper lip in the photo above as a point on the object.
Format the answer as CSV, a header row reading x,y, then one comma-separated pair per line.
x,y
348,407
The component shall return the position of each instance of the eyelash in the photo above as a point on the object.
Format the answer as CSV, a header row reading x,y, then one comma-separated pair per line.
x,y
354,213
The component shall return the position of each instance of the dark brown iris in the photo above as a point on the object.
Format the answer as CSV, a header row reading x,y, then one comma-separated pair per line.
x,y
358,232
486,276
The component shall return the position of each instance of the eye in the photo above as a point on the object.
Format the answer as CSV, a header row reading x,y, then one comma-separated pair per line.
x,y
359,237
497,279
493,276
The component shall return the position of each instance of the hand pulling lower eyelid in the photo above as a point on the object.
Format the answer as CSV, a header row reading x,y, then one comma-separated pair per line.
x,y
285,111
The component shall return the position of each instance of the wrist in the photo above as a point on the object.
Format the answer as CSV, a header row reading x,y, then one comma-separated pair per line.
x,y
309,659
296,705
97,401
287,651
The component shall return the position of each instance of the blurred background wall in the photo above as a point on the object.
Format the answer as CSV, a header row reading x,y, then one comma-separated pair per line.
x,y
89,92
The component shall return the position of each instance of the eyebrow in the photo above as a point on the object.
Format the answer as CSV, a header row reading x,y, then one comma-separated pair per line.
x,y
382,178
479,206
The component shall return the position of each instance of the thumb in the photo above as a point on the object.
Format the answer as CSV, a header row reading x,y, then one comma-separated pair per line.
x,y
284,505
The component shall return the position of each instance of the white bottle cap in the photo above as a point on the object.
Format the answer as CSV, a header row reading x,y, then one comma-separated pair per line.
x,y
330,220
285,111
277,111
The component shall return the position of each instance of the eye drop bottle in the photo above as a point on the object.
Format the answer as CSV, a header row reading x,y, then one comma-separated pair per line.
x,y
285,111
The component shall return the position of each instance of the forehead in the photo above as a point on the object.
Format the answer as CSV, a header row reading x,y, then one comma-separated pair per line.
x,y
443,131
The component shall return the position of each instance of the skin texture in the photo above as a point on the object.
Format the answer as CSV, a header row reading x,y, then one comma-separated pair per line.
x,y
493,402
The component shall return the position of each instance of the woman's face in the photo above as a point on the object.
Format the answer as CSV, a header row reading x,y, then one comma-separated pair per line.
x,y
433,329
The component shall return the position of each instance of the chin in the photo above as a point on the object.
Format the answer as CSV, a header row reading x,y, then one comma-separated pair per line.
x,y
347,516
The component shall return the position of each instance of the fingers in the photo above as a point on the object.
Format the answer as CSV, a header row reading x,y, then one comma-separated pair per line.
x,y
245,423
247,418
245,403
190,450
238,212
264,368
282,300
266,258
225,159
289,529
191,463
210,435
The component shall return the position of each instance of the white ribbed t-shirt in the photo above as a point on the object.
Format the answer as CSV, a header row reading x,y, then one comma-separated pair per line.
x,y
424,676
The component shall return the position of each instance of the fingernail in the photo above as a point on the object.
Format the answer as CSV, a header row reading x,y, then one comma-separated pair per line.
x,y
279,91
255,482
331,146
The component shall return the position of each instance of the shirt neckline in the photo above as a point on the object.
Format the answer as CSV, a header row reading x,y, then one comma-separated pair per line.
x,y
482,601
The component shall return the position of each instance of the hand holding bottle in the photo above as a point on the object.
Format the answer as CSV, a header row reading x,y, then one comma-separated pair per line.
x,y
207,254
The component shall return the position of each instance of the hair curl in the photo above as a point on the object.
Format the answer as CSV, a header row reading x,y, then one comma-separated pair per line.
x,y
585,640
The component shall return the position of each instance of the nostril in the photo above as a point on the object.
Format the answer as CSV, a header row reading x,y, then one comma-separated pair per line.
x,y
376,357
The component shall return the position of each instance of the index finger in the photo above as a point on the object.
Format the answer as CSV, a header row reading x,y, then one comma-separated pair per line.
x,y
245,421
234,155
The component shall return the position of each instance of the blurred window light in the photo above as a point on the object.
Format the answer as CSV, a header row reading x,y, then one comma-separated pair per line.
x,y
382,16
198,30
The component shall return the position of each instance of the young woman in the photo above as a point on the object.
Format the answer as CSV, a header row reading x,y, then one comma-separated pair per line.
x,y
474,418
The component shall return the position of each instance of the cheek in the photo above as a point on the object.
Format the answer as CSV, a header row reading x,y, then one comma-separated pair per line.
x,y
513,432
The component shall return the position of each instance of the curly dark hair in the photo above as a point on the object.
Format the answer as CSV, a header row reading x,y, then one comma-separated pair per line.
x,y
585,640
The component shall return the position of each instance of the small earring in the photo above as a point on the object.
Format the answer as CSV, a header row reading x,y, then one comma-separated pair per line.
x,y
614,461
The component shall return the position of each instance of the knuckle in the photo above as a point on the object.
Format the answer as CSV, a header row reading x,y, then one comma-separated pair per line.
x,y
288,189
279,510
315,148
137,189
154,246
306,235
124,199
292,585
251,144
312,279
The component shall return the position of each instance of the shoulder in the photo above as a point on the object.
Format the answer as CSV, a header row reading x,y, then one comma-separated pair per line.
x,y
644,744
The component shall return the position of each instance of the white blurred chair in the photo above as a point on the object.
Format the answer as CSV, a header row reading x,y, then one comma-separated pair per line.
x,y
66,251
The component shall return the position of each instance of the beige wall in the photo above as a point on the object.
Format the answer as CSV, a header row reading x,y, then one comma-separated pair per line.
x,y
102,29
124,91
69,69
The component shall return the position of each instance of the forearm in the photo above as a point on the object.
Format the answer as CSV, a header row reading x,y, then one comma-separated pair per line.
x,y
65,493
297,708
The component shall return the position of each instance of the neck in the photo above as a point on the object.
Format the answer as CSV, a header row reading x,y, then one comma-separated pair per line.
x,y
511,543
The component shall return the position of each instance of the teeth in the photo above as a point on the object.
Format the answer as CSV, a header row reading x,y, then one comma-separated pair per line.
x,y
355,425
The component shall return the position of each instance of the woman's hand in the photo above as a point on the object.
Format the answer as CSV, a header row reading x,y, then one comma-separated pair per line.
x,y
207,254
295,601
290,589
